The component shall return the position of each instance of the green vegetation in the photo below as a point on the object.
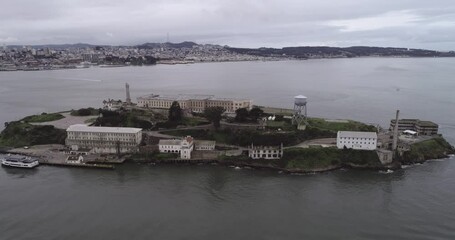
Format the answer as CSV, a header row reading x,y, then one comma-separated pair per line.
x,y
214,115
430,149
341,125
85,112
244,137
194,121
175,112
311,158
43,117
122,119
18,134
243,115
280,125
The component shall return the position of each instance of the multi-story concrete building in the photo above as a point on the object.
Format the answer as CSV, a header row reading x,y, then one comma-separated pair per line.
x,y
103,139
195,103
421,127
265,152
357,140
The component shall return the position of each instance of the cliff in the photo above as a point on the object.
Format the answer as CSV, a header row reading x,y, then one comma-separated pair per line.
x,y
430,149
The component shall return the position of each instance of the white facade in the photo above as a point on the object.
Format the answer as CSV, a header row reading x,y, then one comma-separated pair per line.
x,y
184,146
169,146
195,103
357,140
201,145
103,139
187,148
260,152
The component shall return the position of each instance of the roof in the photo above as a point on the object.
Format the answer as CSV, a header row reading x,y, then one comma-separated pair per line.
x,y
427,124
204,142
357,134
170,142
85,128
185,97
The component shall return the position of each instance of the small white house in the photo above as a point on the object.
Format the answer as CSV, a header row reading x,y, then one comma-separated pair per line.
x,y
357,140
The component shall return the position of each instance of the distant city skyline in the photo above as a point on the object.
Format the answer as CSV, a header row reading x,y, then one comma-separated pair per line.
x,y
237,23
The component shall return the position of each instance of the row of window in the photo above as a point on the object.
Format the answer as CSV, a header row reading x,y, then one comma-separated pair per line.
x,y
357,142
352,138
92,143
265,155
75,134
265,151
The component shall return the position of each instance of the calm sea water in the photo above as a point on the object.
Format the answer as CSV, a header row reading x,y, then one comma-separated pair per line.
x,y
211,202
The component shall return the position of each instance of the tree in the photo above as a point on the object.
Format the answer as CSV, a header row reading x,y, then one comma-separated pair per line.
x,y
213,114
175,112
241,115
256,113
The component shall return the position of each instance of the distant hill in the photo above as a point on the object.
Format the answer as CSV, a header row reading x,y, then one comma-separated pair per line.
x,y
300,52
60,46
357,51
168,45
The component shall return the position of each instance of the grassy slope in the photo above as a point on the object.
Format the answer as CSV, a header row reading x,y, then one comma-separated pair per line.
x,y
340,126
44,117
429,149
18,134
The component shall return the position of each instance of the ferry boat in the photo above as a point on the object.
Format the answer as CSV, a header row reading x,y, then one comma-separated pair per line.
x,y
19,161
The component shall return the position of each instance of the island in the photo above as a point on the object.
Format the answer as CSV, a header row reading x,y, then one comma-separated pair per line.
x,y
197,129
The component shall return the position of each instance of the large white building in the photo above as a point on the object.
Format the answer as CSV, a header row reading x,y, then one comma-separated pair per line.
x,y
195,103
103,139
184,146
357,140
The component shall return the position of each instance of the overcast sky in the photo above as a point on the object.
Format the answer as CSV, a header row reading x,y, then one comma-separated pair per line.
x,y
426,24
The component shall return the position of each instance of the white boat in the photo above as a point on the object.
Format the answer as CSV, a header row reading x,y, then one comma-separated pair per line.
x,y
19,161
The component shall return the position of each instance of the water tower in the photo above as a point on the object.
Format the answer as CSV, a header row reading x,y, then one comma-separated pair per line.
x,y
300,110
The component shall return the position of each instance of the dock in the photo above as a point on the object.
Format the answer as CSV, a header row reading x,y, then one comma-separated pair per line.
x,y
77,165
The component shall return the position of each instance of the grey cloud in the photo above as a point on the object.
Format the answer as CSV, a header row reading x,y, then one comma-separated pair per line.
x,y
251,23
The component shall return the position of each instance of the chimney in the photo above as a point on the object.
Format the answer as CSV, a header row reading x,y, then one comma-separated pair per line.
x,y
395,133
128,98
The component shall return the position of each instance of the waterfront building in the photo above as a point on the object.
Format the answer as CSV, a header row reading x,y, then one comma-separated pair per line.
x,y
194,103
265,152
357,140
184,147
103,139
420,127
